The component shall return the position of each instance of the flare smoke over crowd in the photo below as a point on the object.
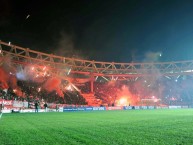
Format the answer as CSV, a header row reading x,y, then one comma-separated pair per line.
x,y
29,83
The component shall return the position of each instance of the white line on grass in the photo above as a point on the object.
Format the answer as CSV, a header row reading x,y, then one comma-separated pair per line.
x,y
1,115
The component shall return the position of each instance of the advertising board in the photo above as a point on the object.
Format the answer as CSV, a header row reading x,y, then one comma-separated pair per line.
x,y
128,107
114,108
98,108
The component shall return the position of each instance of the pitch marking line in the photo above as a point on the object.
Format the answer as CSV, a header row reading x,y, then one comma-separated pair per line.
x,y
1,115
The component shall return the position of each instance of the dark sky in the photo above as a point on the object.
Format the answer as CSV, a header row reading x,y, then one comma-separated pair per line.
x,y
103,30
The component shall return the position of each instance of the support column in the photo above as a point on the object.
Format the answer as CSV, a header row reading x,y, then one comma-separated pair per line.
x,y
92,84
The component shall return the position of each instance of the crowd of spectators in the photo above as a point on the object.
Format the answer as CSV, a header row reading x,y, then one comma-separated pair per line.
x,y
167,90
31,93
170,91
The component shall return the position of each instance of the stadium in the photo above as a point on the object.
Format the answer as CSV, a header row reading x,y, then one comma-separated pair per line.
x,y
92,102
96,72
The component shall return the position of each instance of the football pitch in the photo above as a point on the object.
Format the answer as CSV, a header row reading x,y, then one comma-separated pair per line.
x,y
125,127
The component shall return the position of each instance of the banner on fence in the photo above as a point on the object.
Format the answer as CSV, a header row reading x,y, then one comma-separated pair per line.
x,y
20,104
6,102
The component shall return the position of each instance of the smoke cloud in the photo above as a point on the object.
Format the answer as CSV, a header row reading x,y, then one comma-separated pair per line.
x,y
3,79
125,93
65,46
53,84
152,56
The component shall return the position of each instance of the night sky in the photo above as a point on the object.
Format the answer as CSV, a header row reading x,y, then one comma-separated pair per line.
x,y
102,30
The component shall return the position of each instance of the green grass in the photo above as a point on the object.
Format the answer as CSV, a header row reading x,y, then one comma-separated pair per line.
x,y
151,127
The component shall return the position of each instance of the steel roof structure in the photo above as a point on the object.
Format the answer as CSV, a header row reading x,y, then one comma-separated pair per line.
x,y
79,68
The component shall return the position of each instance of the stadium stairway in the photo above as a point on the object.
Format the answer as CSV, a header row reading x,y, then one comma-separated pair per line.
x,y
92,100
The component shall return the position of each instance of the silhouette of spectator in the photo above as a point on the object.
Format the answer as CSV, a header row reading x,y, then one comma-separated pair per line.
x,y
45,107
57,108
36,107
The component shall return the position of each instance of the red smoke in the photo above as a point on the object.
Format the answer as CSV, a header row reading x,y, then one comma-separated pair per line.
x,y
9,80
53,84
3,79
125,94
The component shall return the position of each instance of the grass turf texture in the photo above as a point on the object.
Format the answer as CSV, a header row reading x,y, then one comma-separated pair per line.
x,y
99,127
